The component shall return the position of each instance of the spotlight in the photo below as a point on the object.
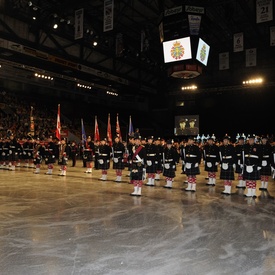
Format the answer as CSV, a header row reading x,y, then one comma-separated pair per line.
x,y
95,43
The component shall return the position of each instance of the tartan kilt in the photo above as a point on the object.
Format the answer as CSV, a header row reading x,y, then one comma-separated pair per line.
x,y
63,161
238,169
49,159
37,160
213,168
254,175
13,156
169,173
227,174
265,171
152,168
105,165
118,165
159,165
192,171
136,173
25,155
87,156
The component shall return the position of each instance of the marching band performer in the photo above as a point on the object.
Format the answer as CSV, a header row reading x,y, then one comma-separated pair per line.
x,y
170,158
64,151
137,159
160,147
227,160
88,152
151,161
211,160
50,153
265,172
239,157
104,155
118,163
192,159
252,160
13,152
38,153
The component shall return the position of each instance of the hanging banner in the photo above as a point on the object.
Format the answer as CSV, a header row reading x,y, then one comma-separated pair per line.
x,y
250,57
238,42
194,24
78,26
224,61
272,36
108,17
264,10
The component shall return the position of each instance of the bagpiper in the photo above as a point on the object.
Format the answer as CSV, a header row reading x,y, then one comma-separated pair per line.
x,y
265,172
50,154
118,150
160,147
104,156
151,160
170,158
211,160
63,155
252,161
228,162
191,159
239,159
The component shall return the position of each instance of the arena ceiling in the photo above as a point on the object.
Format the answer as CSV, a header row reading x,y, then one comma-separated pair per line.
x,y
132,68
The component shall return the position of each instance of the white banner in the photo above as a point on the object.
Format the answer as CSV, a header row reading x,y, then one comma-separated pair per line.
x,y
264,10
194,24
224,61
108,18
251,57
78,26
238,42
272,36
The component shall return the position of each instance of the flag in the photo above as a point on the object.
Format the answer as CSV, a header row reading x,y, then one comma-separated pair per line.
x,y
31,122
118,132
58,125
83,133
96,136
131,128
109,131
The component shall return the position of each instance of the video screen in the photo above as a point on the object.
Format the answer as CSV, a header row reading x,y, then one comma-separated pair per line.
x,y
177,50
203,52
187,125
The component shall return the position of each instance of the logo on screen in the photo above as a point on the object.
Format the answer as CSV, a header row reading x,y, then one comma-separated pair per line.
x,y
203,53
177,51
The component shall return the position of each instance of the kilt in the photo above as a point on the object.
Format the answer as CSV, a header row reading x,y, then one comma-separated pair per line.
x,y
159,165
254,175
170,172
210,166
238,169
227,174
136,172
192,171
49,159
5,155
105,165
37,160
118,163
13,156
63,161
265,171
87,156
151,168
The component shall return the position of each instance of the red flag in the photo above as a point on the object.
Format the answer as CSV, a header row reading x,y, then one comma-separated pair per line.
x,y
58,125
96,136
118,132
109,131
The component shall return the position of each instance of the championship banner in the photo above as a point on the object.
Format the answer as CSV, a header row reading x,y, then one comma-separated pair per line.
x,y
264,10
238,42
194,24
78,26
250,57
224,61
108,17
272,36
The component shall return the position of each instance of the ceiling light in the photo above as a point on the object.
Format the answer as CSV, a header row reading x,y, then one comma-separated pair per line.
x,y
95,43
30,3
